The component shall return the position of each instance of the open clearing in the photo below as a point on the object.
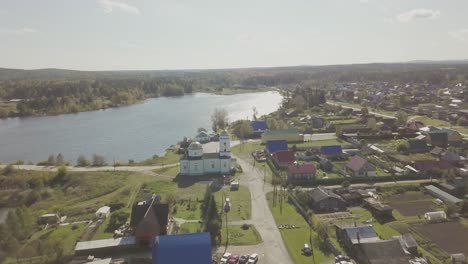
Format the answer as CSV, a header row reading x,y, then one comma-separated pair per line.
x,y
451,237
412,203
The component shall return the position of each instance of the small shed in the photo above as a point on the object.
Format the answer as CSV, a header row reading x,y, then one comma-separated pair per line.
x,y
48,219
103,212
435,217
458,258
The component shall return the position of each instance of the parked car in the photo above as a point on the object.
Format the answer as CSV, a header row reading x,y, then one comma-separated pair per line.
x,y
306,250
243,259
225,258
233,259
253,258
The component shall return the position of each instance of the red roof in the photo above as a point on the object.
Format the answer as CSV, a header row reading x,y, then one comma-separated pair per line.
x,y
356,163
301,168
285,156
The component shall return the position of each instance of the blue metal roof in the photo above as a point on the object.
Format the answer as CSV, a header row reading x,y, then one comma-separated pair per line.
x,y
185,248
276,145
331,150
258,125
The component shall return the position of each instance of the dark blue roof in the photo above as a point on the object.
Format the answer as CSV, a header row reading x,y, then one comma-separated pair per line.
x,y
276,145
258,125
186,248
331,150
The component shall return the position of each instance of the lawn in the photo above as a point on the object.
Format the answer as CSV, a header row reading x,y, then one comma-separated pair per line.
x,y
433,122
190,228
385,231
294,239
245,149
239,236
240,200
170,157
51,239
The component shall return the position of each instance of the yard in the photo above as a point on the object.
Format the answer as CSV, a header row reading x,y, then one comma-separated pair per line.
x,y
451,237
245,149
237,235
240,200
170,157
319,143
432,122
412,203
294,239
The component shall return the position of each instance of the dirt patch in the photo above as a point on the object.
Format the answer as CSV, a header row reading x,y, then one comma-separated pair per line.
x,y
451,237
412,203
413,208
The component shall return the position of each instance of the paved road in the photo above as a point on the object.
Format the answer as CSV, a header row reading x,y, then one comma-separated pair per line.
x,y
272,248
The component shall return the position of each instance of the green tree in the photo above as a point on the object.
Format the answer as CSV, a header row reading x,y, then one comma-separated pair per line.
x,y
401,118
345,184
51,160
98,160
219,119
62,173
245,130
9,169
117,219
59,161
82,161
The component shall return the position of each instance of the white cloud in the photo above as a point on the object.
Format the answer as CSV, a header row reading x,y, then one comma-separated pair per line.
x,y
418,14
109,5
459,34
18,31
129,45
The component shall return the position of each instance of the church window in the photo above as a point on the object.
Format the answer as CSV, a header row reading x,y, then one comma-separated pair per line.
x,y
196,167
212,165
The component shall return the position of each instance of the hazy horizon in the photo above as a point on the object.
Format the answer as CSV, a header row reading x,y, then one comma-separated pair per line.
x,y
108,35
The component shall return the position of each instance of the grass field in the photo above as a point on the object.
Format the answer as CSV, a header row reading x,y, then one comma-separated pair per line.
x,y
170,157
294,239
432,122
240,200
247,148
239,236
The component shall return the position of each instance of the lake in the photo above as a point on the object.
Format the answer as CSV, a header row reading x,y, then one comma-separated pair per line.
x,y
132,132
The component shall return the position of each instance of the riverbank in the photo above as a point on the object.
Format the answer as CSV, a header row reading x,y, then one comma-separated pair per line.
x,y
12,109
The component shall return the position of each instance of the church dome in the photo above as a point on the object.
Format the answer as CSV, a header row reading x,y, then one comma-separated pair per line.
x,y
195,145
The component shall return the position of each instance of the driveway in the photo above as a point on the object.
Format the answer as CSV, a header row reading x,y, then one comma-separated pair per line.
x,y
272,248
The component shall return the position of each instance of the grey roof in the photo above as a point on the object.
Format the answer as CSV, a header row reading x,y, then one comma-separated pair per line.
x,y
105,243
365,233
446,197
384,252
319,194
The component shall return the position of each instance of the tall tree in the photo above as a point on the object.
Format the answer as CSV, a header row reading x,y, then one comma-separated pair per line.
x,y
219,119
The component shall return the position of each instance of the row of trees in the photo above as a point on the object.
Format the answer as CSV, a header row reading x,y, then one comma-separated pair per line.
x,y
210,216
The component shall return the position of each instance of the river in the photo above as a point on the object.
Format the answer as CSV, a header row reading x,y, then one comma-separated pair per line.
x,y
132,132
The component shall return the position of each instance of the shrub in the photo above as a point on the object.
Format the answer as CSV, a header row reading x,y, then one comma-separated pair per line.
x,y
245,227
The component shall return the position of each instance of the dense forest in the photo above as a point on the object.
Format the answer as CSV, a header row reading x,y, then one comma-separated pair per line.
x,y
54,91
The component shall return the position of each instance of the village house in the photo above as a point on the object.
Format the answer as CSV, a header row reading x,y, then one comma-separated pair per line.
x,y
423,166
332,152
326,165
182,248
378,209
258,127
298,173
360,167
195,162
148,220
203,137
437,138
273,146
325,201
417,146
445,197
282,159
290,135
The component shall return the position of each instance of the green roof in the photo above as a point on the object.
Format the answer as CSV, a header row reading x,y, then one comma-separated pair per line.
x,y
281,132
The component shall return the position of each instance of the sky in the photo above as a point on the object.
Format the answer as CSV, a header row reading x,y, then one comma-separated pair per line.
x,y
208,34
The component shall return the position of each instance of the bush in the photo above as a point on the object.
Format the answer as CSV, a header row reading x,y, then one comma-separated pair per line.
x,y
9,169
245,227
82,161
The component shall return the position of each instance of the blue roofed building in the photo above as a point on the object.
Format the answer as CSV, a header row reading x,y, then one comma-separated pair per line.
x,y
258,127
184,248
334,151
273,146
